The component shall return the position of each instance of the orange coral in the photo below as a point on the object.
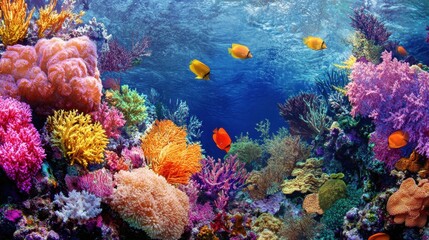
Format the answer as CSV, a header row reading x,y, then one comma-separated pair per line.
x,y
415,163
379,236
14,21
409,203
311,204
168,154
51,22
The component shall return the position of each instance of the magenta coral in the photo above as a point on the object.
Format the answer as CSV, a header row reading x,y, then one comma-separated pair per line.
x,y
21,153
110,118
55,74
396,97
99,183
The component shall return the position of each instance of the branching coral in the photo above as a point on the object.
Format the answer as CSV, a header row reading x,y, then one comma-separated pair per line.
x,y
21,153
14,21
53,75
78,138
396,97
110,118
130,103
168,154
146,201
368,24
78,206
51,22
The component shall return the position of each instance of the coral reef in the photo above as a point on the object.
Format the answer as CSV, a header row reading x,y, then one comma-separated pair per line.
x,y
14,21
146,201
130,103
79,206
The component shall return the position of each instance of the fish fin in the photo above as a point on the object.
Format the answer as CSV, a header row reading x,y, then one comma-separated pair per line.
x,y
230,50
227,148
234,56
198,77
306,39
236,45
222,130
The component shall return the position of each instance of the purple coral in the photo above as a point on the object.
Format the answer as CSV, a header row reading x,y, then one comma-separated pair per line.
x,y
21,153
217,176
116,59
396,97
369,25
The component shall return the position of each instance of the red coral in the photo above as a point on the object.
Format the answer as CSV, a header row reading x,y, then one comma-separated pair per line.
x,y
110,118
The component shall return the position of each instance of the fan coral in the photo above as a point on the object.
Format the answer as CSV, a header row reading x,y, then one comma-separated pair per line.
x,y
146,201
110,118
21,153
14,21
409,203
130,103
168,154
368,24
54,74
79,206
116,59
396,97
51,22
78,138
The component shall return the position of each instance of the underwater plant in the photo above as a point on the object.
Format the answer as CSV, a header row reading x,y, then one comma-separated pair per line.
x,y
79,140
168,154
324,84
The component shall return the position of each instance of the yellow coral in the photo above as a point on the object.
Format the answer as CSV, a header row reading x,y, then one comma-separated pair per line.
x,y
77,137
14,21
168,154
348,64
50,20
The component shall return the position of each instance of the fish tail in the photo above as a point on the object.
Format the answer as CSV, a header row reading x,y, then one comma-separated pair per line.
x,y
305,40
229,50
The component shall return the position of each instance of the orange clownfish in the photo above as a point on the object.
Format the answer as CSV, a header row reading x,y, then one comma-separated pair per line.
x,y
401,50
398,139
379,236
222,139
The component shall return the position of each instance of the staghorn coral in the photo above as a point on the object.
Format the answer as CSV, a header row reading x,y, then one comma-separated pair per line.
x,y
14,21
21,152
309,177
408,204
130,103
146,201
51,22
55,74
79,206
168,154
78,138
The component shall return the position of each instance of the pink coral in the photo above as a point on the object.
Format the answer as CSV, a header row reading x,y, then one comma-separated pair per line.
x,y
114,162
99,183
408,205
134,156
110,118
147,201
55,74
21,153
396,97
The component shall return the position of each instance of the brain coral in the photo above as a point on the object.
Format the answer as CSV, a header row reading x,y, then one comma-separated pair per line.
x,y
55,74
146,201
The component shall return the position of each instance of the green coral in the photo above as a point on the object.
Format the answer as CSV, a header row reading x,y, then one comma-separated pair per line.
x,y
332,190
246,149
130,103
363,47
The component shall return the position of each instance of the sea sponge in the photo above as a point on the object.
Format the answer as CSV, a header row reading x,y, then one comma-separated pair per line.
x,y
168,154
331,191
55,74
78,138
130,103
309,177
409,203
146,201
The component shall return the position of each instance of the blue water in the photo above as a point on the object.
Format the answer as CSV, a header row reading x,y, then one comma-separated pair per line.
x,y
244,92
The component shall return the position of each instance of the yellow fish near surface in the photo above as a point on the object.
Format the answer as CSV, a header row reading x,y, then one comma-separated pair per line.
x,y
239,51
315,43
200,69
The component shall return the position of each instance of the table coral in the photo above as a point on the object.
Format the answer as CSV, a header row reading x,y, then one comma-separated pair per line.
x,y
55,74
408,204
309,177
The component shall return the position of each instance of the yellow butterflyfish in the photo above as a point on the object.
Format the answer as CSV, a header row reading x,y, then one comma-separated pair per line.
x,y
201,70
239,51
315,43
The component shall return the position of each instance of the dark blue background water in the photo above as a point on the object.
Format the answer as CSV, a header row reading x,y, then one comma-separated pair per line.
x,y
242,93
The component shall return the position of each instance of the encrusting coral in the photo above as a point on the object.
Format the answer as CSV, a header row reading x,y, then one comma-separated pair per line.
x,y
14,21
309,177
78,138
146,201
168,154
311,204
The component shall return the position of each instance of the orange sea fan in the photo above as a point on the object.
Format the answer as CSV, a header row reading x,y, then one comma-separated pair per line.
x,y
168,154
14,21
